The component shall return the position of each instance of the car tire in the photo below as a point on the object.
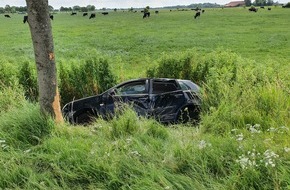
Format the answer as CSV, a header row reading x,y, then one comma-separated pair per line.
x,y
85,118
188,114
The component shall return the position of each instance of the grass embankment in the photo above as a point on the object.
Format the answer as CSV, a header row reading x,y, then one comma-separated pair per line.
x,y
131,153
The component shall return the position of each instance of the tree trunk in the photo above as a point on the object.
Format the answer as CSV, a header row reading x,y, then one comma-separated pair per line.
x,y
40,28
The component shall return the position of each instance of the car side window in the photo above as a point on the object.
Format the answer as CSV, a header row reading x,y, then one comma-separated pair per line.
x,y
138,87
162,87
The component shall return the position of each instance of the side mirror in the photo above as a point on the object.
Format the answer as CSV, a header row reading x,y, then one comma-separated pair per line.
x,y
108,94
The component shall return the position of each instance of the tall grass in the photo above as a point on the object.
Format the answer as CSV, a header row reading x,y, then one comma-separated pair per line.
x,y
129,152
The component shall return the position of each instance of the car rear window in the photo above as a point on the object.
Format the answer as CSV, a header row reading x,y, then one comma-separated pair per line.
x,y
188,85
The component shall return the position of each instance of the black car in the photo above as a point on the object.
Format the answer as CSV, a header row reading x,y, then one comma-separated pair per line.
x,y
166,100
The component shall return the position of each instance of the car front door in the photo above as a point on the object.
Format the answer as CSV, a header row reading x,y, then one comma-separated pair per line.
x,y
135,93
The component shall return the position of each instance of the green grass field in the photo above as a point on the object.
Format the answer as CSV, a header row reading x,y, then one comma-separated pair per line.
x,y
240,59
132,41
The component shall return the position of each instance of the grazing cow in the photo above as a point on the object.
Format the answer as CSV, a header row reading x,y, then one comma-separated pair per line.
x,y
202,11
8,16
262,7
253,9
25,19
85,14
105,13
146,12
156,12
51,17
93,15
73,13
197,14
269,8
146,15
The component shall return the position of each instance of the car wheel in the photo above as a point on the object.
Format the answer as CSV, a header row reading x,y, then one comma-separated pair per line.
x,y
188,114
85,118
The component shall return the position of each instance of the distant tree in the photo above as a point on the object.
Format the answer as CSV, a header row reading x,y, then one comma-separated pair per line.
x,y
76,8
91,7
7,8
50,8
41,34
270,2
21,9
287,5
2,10
248,3
65,9
84,9
260,2
13,9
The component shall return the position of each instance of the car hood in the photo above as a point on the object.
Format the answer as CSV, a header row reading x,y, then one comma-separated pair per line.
x,y
88,102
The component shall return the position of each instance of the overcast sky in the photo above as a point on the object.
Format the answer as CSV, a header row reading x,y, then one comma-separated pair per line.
x,y
118,3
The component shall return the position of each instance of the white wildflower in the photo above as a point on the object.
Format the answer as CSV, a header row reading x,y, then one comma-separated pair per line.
x,y
27,151
202,144
240,137
269,158
128,140
255,128
271,129
246,162
286,149
135,153
282,129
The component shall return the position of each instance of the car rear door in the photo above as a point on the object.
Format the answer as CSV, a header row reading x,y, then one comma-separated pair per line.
x,y
167,98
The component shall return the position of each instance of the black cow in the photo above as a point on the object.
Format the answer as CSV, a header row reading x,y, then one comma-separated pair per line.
x,y
93,15
8,16
203,11
85,14
51,17
197,14
262,7
253,9
105,13
25,19
269,9
156,12
73,13
146,15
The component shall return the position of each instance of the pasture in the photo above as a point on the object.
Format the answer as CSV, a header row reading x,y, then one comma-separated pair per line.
x,y
239,58
130,41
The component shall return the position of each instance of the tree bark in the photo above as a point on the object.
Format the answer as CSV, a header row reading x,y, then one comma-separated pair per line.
x,y
41,33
